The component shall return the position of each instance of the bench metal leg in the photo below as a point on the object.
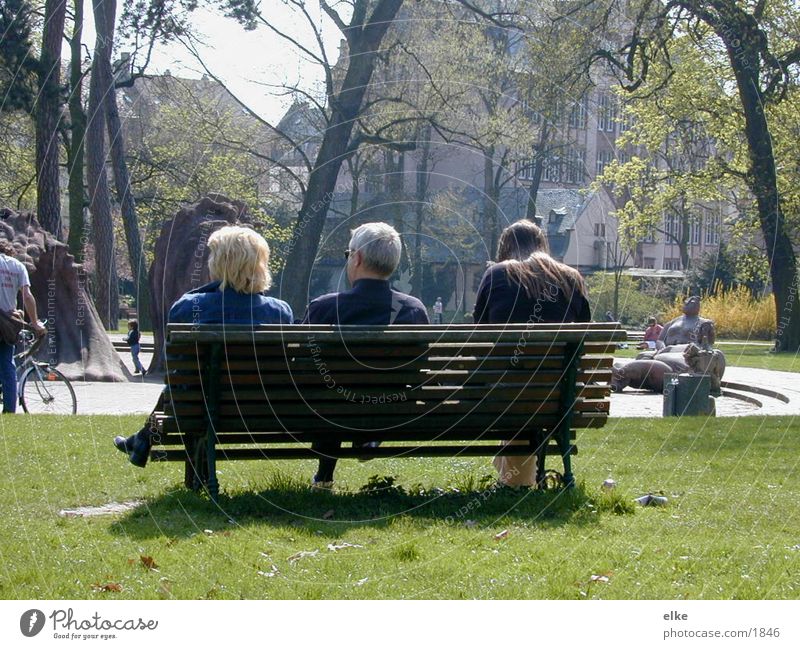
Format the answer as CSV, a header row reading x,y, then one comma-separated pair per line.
x,y
541,445
564,447
212,484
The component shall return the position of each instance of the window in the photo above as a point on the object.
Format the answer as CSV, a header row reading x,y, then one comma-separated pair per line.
x,y
600,230
672,227
695,231
649,262
672,264
623,157
530,113
604,158
712,229
576,162
625,120
525,169
552,171
577,114
606,112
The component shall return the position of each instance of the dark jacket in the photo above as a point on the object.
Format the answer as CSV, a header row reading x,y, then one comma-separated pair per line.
x,y
369,302
133,337
501,300
208,305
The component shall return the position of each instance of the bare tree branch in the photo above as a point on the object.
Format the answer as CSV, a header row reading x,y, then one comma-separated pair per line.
x,y
297,148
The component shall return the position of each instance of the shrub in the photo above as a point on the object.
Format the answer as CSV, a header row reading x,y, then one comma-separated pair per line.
x,y
735,312
635,304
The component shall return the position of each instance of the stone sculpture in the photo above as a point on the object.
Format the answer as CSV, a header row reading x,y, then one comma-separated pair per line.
x,y
76,339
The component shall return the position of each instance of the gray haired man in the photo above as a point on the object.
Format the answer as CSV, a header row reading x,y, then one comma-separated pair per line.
x,y
372,255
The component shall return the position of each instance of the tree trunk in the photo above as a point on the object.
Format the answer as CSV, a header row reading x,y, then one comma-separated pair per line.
x,y
106,292
48,111
491,194
421,199
346,105
77,198
122,181
538,169
763,183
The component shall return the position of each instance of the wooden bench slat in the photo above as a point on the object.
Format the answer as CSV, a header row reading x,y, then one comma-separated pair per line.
x,y
428,393
193,379
307,437
300,453
388,337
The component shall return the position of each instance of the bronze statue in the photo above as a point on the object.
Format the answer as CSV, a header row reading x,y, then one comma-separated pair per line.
x,y
685,345
689,327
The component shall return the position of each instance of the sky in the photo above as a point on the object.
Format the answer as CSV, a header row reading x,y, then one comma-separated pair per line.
x,y
249,62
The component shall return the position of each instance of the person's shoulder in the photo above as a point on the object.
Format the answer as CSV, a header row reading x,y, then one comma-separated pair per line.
x,y
328,297
15,263
410,300
278,306
323,309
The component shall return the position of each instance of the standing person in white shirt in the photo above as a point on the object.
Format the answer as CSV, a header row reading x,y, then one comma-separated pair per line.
x,y
438,309
13,279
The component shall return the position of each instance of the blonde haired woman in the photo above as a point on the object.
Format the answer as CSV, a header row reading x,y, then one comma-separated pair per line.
x,y
238,264
527,286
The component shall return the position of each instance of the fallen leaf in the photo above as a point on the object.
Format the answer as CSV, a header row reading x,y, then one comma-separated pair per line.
x,y
501,535
328,514
209,532
361,582
603,579
302,554
148,562
342,546
107,588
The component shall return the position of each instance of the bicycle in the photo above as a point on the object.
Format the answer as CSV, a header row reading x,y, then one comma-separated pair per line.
x,y
42,389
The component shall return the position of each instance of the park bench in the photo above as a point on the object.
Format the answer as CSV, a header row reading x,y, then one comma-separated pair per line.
x,y
268,392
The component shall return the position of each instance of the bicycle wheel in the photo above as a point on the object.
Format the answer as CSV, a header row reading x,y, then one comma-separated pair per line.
x,y
44,390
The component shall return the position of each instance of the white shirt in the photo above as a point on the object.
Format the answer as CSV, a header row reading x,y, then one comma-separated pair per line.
x,y
13,276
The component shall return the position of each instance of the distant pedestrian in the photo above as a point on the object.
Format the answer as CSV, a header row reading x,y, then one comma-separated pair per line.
x,y
438,309
133,341
610,316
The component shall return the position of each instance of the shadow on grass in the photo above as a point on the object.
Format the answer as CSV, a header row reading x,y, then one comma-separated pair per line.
x,y
290,505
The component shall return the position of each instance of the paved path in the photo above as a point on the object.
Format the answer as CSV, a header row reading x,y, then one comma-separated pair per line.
x,y
634,403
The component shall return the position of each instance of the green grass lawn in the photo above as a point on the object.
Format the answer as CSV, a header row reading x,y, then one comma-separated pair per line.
x,y
743,355
730,529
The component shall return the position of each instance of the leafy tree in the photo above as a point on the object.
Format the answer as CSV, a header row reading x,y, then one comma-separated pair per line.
x,y
18,63
758,43
633,305
17,161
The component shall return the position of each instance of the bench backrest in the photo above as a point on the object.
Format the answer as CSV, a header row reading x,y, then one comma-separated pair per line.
x,y
306,382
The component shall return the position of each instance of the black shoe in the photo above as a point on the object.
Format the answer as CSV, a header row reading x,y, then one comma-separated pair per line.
x,y
136,371
124,444
140,448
